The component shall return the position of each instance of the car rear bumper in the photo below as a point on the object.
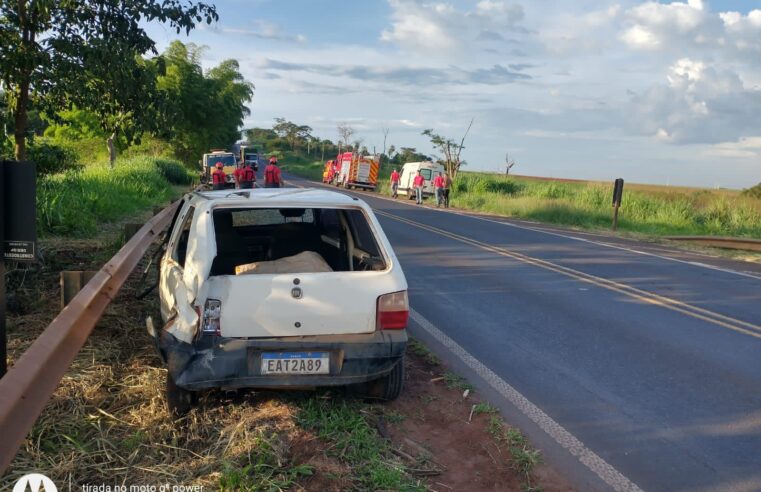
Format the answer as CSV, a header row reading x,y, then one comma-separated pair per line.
x,y
217,362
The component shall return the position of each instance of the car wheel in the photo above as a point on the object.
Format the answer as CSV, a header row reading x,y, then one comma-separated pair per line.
x,y
389,387
179,401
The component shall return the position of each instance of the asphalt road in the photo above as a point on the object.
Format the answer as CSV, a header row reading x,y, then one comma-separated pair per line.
x,y
640,365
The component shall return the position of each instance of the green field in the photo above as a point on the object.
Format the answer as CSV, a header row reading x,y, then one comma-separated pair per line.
x,y
647,209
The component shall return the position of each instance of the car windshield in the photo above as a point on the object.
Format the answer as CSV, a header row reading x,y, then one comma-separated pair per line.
x,y
226,159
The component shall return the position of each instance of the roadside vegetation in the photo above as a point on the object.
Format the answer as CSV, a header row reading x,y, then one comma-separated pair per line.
x,y
77,202
646,209
655,210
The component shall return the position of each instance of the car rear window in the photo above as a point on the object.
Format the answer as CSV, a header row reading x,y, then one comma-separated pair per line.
x,y
426,173
342,239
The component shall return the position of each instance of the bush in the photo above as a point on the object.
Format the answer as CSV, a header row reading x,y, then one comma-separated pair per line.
x,y
753,192
51,158
174,172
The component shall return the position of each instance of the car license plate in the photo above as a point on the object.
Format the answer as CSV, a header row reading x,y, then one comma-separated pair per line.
x,y
295,363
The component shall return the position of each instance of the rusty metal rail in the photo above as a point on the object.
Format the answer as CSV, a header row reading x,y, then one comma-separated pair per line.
x,y
31,381
742,243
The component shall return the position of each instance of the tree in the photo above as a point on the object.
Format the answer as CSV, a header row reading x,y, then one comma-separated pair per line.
x,y
385,136
122,96
345,132
291,132
198,111
449,149
509,163
43,44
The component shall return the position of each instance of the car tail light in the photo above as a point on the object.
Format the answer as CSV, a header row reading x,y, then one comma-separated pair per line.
x,y
393,311
212,311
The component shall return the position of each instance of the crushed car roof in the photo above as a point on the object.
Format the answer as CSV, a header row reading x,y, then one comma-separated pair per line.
x,y
279,196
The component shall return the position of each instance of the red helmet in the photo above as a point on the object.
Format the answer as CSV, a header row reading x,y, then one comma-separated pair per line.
x,y
219,165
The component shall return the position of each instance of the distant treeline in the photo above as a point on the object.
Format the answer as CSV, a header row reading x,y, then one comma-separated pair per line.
x,y
286,136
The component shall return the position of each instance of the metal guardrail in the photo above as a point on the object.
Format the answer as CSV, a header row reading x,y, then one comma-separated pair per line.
x,y
31,381
742,243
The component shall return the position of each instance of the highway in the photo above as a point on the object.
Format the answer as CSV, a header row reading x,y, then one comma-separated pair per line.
x,y
630,365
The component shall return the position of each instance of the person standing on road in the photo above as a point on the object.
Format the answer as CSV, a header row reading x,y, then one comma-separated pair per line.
x,y
447,187
272,177
418,184
245,176
218,177
438,187
394,183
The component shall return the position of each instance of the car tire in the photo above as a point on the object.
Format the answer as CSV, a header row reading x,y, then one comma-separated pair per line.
x,y
179,401
389,387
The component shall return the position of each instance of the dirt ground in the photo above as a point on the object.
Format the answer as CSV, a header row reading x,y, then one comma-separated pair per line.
x,y
107,421
438,421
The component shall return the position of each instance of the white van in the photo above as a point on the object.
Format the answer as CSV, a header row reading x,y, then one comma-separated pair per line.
x,y
280,288
428,169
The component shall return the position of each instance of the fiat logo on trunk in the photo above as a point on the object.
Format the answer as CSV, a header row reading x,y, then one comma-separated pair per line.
x,y
296,292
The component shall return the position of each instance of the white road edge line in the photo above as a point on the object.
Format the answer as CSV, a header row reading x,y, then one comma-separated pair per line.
x,y
552,233
557,432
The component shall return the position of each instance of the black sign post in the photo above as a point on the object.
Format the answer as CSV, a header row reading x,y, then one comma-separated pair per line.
x,y
618,194
18,228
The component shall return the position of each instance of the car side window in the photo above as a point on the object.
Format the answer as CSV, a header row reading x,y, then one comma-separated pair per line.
x,y
181,248
364,238
330,223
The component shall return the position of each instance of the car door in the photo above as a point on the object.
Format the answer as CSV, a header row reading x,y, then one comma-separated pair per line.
x,y
172,263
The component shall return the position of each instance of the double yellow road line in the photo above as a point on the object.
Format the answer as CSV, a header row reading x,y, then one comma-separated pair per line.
x,y
640,295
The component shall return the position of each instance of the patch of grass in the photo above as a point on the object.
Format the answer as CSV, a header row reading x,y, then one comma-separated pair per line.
x,y
264,470
454,381
302,166
484,407
77,202
394,417
523,457
354,440
417,348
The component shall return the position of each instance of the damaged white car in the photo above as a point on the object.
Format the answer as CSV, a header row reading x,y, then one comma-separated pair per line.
x,y
280,288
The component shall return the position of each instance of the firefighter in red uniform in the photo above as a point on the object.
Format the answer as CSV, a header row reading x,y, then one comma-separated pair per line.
x,y
245,176
272,178
394,183
218,177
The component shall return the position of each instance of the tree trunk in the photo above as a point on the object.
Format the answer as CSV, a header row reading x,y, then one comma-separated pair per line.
x,y
111,150
20,119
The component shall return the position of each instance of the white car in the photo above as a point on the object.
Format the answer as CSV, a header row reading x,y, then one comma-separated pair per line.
x,y
280,288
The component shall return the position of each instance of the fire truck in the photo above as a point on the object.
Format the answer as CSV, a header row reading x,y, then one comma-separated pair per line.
x,y
329,172
357,171
210,160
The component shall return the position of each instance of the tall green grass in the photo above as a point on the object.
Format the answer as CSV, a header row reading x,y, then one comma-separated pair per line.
x,y
653,211
76,202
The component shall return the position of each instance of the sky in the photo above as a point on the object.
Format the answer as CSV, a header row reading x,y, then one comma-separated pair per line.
x,y
652,92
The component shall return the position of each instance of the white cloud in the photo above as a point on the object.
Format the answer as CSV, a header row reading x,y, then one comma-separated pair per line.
x,y
749,147
700,104
442,30
260,30
640,37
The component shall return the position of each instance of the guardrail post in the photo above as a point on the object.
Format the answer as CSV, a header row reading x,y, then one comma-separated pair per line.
x,y
72,283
